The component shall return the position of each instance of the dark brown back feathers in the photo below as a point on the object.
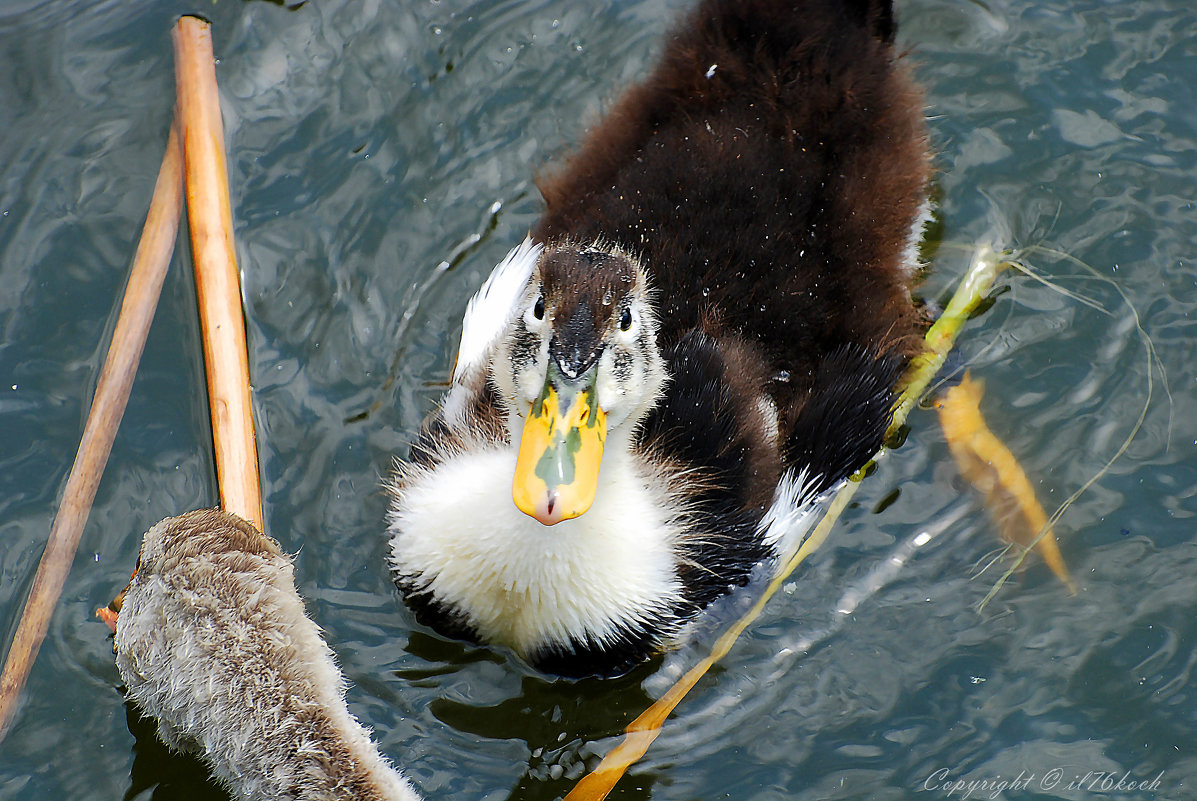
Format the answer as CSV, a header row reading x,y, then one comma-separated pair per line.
x,y
768,174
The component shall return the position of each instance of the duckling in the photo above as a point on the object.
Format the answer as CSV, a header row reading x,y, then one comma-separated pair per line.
x,y
213,641
699,339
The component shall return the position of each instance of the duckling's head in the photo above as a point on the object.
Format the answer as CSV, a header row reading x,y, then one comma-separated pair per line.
x,y
579,363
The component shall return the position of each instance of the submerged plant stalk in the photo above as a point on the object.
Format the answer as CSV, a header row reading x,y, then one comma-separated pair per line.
x,y
986,462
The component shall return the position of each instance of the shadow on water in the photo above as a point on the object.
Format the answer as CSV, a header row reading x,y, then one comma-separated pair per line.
x,y
161,774
559,720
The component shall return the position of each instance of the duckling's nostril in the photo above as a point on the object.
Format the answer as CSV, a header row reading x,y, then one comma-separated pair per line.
x,y
549,510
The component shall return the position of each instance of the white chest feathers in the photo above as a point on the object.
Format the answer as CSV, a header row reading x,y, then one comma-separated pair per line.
x,y
457,533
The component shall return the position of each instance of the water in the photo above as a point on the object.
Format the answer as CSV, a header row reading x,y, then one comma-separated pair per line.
x,y
370,143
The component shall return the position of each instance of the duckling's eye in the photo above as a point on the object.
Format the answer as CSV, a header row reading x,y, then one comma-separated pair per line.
x,y
625,321
538,309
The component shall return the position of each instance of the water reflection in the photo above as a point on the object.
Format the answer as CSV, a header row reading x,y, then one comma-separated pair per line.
x,y
159,774
559,721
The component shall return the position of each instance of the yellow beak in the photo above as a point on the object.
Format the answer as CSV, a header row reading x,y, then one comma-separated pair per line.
x,y
556,475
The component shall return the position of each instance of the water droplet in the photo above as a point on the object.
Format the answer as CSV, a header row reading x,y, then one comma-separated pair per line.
x,y
706,291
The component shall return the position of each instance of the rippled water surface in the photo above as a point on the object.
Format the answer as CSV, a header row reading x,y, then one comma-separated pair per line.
x,y
382,157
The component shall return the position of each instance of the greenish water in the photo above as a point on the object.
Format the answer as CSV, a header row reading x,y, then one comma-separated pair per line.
x,y
371,142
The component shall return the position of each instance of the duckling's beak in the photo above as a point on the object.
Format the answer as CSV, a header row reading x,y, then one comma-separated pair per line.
x,y
110,613
556,475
